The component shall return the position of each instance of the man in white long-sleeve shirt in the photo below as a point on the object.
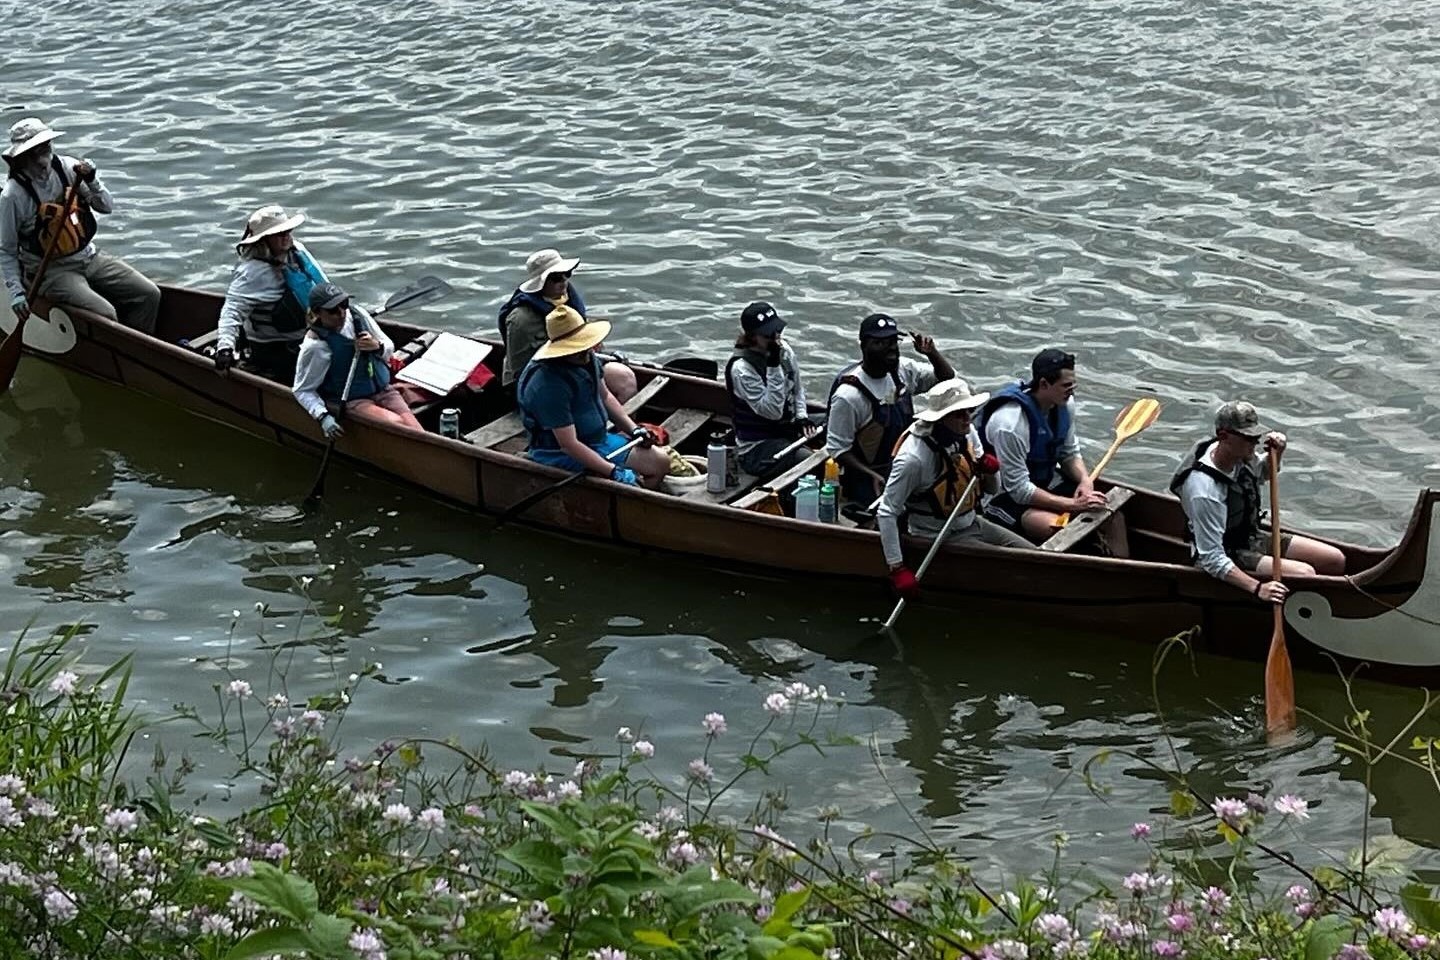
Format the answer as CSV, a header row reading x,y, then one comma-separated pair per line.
x,y
936,459
1218,484
331,348
80,274
767,396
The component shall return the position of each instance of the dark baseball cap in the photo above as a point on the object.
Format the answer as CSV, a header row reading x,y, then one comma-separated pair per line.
x,y
327,296
879,326
1049,362
762,319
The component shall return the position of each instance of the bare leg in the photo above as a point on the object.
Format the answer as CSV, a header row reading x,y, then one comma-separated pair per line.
x,y
1038,524
621,381
1288,568
1321,556
650,463
385,407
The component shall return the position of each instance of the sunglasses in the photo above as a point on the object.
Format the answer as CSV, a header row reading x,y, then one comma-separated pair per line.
x,y
340,307
558,276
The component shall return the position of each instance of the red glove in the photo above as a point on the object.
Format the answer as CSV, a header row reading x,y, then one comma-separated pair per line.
x,y
903,582
989,464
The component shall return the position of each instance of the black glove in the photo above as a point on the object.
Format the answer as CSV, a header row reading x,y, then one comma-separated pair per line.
x,y
224,359
772,355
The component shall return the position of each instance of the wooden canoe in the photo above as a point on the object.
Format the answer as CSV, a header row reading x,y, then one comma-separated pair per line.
x,y
1383,613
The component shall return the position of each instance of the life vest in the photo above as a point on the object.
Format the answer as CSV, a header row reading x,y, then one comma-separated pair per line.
x,y
1047,433
750,425
539,304
1242,497
875,442
371,373
290,312
67,231
956,469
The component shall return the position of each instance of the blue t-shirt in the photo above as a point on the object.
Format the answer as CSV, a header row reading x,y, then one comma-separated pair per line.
x,y
557,393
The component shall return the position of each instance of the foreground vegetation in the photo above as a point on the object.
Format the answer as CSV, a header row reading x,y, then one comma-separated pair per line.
x,y
423,849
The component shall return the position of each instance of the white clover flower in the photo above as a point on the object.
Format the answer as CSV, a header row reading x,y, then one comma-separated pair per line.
x,y
624,735
313,719
43,809
644,749
1230,810
777,704
1292,806
432,818
700,771
11,785
797,691
9,816
1007,949
537,919
60,906
367,944
1053,927
238,689
714,724
684,854
365,800
217,924
121,821
568,790
64,683
608,953
398,813
518,781
669,816
1393,923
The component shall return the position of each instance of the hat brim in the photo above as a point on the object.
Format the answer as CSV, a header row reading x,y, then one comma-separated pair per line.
x,y
582,338
284,226
333,302
973,402
536,284
770,327
889,333
44,136
1260,430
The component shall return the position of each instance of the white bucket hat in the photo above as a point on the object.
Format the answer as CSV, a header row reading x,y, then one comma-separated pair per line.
x,y
267,221
28,134
947,397
540,264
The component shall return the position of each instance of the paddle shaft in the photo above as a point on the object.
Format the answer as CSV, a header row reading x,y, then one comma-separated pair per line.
x,y
10,352
544,492
934,549
1279,676
800,442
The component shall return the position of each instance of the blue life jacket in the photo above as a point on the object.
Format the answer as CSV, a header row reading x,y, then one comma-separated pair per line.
x,y
875,441
1046,433
371,374
748,424
539,304
301,275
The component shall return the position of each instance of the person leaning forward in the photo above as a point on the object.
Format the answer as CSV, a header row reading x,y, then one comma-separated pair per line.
x,y
1030,427
564,402
767,397
1218,483
934,463
872,403
338,329
80,274
522,318
268,296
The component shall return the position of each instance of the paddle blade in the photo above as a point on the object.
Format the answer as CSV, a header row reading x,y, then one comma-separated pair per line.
x,y
1279,682
1136,416
425,290
10,355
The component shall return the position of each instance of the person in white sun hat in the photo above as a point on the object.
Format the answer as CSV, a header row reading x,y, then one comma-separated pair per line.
x,y
934,461
80,274
547,285
268,297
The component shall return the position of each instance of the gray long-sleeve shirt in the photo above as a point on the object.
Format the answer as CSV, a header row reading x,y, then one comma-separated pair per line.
x,y
17,221
254,285
314,362
1202,497
1008,431
769,391
916,467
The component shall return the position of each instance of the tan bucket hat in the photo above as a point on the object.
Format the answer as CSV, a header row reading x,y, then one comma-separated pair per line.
x,y
540,264
947,397
567,332
28,134
268,221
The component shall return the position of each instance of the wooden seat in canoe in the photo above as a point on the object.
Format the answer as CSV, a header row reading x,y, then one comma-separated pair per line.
x,y
1082,525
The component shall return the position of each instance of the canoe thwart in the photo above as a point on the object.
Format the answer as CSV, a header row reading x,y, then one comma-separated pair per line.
x,y
1082,525
497,431
646,394
783,481
684,423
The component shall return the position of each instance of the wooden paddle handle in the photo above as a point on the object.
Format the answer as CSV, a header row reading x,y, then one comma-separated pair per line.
x,y
1275,557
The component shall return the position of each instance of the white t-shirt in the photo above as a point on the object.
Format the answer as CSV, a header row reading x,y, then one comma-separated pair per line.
x,y
850,409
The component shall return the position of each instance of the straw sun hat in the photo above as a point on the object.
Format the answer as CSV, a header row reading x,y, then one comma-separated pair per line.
x,y
567,333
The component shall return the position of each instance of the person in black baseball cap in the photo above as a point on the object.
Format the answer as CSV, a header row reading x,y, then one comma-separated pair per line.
x,y
872,403
767,395
342,337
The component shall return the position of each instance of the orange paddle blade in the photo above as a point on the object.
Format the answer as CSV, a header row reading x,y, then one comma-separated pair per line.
x,y
1135,417
1279,682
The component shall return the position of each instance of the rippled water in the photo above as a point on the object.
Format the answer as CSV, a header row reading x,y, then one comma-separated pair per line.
x,y
1200,201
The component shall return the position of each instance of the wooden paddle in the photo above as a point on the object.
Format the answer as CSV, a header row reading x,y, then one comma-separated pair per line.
x,y
10,349
934,549
556,487
1279,678
1135,417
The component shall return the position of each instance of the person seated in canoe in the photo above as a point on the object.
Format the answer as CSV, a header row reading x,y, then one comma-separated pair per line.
x,y
343,337
1219,486
522,319
1030,428
767,396
935,461
33,219
565,402
268,296
872,402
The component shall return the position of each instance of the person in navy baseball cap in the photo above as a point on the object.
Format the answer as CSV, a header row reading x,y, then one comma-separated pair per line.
x,y
767,395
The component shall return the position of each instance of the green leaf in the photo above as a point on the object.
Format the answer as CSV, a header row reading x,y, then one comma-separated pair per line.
x,y
1182,803
264,943
1421,903
552,819
541,859
654,938
329,935
795,953
290,896
764,948
1326,936
786,906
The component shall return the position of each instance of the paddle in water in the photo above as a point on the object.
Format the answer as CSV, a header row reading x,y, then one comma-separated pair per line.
x,y
1279,678
557,486
10,349
1135,417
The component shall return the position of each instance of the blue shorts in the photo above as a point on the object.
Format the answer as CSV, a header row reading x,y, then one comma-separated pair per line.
x,y
563,460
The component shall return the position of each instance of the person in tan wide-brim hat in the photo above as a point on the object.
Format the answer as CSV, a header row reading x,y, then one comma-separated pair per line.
x,y
548,284
567,408
935,461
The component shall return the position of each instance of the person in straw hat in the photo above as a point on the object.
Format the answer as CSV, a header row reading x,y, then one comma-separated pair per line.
x,y
564,403
80,274
935,460
269,295
547,284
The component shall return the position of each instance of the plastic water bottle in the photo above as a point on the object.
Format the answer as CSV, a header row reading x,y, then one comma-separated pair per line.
x,y
450,423
807,499
715,457
828,497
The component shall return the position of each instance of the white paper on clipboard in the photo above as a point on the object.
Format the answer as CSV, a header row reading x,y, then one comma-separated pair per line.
x,y
445,363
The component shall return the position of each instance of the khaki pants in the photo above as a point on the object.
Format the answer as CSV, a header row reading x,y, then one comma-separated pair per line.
x,y
105,285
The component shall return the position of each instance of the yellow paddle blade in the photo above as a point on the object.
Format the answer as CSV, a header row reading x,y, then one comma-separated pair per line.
x,y
1136,416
